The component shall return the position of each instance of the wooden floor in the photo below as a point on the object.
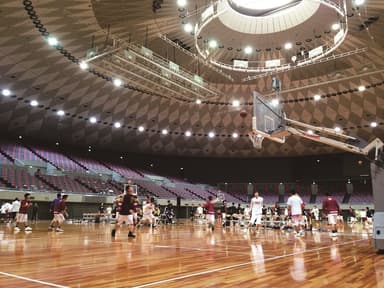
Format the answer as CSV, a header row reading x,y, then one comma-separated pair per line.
x,y
184,255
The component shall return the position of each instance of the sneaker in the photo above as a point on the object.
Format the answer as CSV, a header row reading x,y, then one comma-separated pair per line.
x,y
28,229
17,229
59,230
131,235
113,232
334,234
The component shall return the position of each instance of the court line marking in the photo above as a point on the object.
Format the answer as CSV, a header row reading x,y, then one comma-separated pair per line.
x,y
33,280
241,264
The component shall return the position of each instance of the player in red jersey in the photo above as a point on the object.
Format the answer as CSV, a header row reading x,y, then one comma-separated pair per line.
x,y
210,207
59,212
22,216
331,209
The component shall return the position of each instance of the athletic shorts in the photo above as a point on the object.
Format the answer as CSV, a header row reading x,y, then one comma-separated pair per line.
x,y
332,219
22,218
257,218
148,217
128,219
58,217
296,220
210,218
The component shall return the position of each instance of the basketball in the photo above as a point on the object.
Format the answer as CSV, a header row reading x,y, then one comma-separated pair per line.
x,y
243,113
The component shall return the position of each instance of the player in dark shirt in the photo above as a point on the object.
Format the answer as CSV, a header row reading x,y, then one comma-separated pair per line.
x,y
126,214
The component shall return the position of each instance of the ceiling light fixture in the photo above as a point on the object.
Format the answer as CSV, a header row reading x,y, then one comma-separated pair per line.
x,y
164,131
117,82
275,102
60,113
141,129
248,50
212,44
235,103
117,124
181,3
310,132
337,129
188,28
317,97
198,101
359,2
373,124
361,88
235,135
52,41
335,26
83,65
93,120
6,92
188,133
211,134
34,103
288,46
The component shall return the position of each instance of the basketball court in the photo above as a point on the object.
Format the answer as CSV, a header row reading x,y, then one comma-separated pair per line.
x,y
185,255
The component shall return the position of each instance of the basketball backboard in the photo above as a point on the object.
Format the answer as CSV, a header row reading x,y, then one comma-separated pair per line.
x,y
267,117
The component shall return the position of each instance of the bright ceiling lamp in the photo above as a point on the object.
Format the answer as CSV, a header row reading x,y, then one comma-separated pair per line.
x,y
235,103
337,129
373,124
52,41
361,88
211,134
317,97
117,82
83,65
188,133
188,28
248,50
6,92
235,135
288,46
359,2
141,129
34,103
275,102
164,131
212,44
335,26
181,3
198,101
93,120
60,113
261,4
117,124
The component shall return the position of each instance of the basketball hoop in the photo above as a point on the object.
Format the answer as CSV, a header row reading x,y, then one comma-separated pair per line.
x,y
256,139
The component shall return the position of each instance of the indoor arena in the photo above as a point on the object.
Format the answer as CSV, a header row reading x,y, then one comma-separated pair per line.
x,y
191,143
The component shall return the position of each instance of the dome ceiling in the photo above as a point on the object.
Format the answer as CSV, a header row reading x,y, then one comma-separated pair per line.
x,y
33,70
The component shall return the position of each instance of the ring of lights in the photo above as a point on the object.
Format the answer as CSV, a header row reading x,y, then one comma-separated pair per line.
x,y
222,10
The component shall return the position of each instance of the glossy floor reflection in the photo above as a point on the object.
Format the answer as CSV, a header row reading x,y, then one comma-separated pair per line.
x,y
185,255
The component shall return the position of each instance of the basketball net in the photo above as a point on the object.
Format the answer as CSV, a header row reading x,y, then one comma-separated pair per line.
x,y
256,139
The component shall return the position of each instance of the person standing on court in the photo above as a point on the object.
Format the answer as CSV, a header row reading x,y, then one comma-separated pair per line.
x,y
331,209
52,209
295,210
126,213
256,207
22,216
210,207
15,208
60,211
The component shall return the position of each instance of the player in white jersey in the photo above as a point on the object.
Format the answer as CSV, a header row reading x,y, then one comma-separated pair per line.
x,y
256,210
295,209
